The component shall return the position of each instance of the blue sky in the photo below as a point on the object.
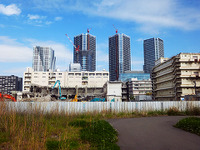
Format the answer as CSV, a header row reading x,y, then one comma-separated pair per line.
x,y
24,24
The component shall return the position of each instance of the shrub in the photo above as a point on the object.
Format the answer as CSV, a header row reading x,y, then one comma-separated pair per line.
x,y
173,111
193,111
191,124
56,145
78,123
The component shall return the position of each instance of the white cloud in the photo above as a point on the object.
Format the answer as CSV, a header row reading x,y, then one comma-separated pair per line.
x,y
2,26
140,40
11,53
150,15
38,20
36,17
48,22
9,10
58,18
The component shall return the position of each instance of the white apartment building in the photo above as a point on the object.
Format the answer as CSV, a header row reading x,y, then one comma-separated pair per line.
x,y
137,87
67,79
176,77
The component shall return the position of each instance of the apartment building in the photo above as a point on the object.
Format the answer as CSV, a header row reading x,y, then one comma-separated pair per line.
x,y
153,50
86,53
10,83
43,59
67,79
138,88
119,55
177,77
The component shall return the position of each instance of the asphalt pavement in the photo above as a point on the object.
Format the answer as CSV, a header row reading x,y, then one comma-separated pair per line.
x,y
154,133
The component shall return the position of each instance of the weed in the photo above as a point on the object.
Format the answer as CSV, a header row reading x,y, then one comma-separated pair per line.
x,y
173,111
67,144
156,113
193,111
191,124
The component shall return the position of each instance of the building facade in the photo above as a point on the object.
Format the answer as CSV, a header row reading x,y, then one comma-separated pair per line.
x,y
43,59
75,67
153,50
138,89
10,83
67,79
113,91
119,55
140,75
177,77
86,52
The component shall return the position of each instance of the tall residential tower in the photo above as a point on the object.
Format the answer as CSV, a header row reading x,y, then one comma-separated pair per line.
x,y
43,59
153,50
119,55
86,53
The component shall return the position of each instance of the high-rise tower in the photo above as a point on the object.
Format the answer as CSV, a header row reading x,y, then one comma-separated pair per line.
x,y
43,59
119,55
153,50
86,55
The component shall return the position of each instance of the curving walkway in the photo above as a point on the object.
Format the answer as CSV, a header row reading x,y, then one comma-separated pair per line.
x,y
154,133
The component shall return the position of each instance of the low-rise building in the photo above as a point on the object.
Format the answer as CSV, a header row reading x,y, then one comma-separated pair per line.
x,y
138,89
177,77
113,91
10,83
67,79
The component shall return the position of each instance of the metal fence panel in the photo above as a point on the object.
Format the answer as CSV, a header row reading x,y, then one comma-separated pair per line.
x,y
98,107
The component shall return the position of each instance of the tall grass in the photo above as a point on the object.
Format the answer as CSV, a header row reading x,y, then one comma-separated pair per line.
x,y
36,129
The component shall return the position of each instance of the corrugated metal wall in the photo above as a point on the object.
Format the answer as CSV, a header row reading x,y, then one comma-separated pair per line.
x,y
84,107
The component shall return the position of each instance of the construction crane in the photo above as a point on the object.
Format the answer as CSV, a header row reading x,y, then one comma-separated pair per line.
x,y
117,57
116,30
88,30
76,48
59,89
88,38
6,96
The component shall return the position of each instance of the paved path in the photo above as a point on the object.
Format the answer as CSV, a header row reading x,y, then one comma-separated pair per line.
x,y
153,133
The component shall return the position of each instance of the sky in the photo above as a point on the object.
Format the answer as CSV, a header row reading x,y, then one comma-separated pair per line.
x,y
24,24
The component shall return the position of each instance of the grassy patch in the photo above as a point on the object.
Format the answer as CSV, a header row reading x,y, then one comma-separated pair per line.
x,y
56,145
99,133
191,124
